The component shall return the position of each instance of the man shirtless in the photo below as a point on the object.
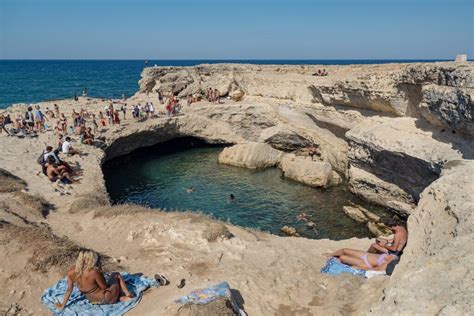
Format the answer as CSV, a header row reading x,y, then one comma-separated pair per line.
x,y
399,240
56,172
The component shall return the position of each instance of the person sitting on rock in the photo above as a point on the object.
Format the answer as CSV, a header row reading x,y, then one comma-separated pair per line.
x,y
68,149
56,172
90,280
2,125
399,240
87,136
313,150
362,260
49,152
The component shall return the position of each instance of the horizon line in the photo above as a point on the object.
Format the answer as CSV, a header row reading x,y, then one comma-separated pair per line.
x,y
225,59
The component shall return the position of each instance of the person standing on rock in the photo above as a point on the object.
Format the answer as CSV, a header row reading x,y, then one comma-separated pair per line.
x,y
399,240
123,108
160,97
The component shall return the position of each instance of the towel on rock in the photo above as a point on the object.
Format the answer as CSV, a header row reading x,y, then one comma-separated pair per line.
x,y
78,304
335,267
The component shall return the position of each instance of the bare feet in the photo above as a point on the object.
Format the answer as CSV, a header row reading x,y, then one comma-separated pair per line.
x,y
125,298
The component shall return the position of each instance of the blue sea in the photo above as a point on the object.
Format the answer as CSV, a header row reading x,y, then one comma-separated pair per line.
x,y
30,81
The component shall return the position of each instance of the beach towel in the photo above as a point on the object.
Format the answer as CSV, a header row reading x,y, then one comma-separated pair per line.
x,y
335,267
210,294
78,304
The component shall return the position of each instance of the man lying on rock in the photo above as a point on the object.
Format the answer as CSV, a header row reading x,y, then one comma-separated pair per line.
x,y
395,247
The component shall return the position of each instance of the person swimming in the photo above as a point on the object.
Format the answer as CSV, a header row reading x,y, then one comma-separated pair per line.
x,y
302,217
231,198
190,189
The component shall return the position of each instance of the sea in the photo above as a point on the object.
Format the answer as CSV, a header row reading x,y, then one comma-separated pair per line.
x,y
30,81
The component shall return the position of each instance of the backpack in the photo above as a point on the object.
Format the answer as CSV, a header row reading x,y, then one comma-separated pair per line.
x,y
40,159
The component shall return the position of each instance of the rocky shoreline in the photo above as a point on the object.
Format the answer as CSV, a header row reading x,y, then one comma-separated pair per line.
x,y
401,135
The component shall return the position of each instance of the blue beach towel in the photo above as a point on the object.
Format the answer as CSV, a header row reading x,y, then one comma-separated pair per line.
x,y
78,304
335,267
210,294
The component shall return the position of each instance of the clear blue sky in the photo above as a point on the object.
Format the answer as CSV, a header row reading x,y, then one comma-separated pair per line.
x,y
240,29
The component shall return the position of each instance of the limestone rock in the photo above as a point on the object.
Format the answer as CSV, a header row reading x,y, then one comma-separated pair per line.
x,y
289,231
250,155
390,89
400,156
448,107
438,260
335,178
355,214
283,138
376,190
378,229
370,216
312,173
361,214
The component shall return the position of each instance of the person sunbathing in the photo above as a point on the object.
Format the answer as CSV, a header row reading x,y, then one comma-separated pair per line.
x,y
362,260
87,136
86,274
49,152
56,172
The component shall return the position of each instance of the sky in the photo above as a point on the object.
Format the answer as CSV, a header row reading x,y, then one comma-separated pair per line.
x,y
236,29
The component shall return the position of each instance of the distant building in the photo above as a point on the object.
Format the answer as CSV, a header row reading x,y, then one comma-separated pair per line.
x,y
461,58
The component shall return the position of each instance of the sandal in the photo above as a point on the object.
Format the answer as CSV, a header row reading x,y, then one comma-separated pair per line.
x,y
161,279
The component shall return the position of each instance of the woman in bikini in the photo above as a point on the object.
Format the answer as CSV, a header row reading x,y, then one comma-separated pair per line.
x,y
63,121
361,259
91,282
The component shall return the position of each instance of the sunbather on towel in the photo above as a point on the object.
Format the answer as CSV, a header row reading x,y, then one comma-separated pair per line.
x,y
362,260
86,274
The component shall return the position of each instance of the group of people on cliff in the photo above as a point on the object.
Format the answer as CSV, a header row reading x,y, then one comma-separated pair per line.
x,y
213,95
382,255
29,124
57,169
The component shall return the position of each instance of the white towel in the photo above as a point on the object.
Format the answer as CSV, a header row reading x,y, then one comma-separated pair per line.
x,y
371,273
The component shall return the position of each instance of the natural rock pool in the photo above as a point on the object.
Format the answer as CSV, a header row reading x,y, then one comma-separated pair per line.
x,y
160,175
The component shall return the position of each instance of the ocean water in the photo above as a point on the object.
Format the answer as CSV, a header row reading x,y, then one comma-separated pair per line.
x,y
29,81
159,178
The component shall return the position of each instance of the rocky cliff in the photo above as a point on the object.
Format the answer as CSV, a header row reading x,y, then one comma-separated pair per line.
x,y
400,134
441,93
388,128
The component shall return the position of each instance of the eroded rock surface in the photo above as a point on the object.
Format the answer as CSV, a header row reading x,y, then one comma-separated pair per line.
x,y
402,135
435,274
427,90
251,155
399,158
307,171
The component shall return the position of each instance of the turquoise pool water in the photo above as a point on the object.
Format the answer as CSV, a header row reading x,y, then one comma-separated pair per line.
x,y
159,178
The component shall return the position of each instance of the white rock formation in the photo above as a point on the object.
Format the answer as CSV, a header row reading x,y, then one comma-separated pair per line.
x,y
250,155
393,159
303,169
392,89
435,274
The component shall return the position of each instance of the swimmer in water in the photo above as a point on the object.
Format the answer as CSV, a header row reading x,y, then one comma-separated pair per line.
x,y
190,190
231,198
302,216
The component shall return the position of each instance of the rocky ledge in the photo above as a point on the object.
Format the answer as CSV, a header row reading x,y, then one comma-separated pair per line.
x,y
400,135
